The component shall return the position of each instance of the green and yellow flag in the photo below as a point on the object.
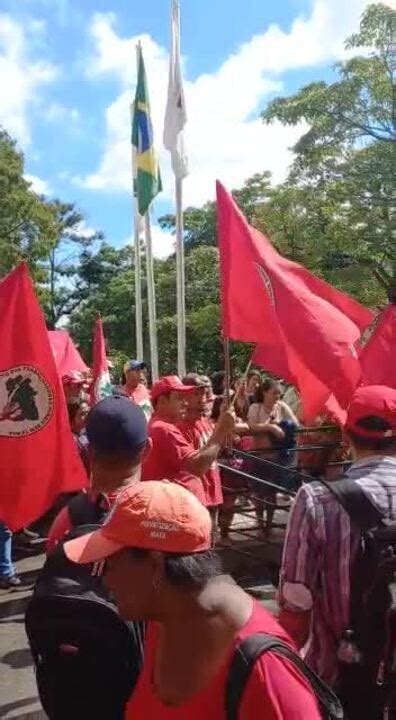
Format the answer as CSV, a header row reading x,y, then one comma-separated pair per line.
x,y
147,183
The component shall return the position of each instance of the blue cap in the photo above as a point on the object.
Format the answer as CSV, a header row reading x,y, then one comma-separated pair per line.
x,y
135,365
116,424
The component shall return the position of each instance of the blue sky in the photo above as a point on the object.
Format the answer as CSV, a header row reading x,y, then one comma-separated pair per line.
x,y
67,74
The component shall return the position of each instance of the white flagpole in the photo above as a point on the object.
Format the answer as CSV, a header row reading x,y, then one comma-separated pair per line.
x,y
180,281
138,265
151,299
175,120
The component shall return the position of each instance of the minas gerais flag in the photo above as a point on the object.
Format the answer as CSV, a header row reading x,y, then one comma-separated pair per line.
x,y
147,183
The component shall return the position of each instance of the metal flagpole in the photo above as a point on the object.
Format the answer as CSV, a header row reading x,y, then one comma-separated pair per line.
x,y
151,299
180,281
138,265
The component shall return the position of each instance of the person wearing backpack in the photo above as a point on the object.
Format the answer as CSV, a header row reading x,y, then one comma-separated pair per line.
x,y
211,650
118,443
87,659
337,584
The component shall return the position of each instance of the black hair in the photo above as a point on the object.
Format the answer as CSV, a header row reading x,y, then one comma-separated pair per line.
x,y
267,384
187,571
376,445
73,407
218,382
253,373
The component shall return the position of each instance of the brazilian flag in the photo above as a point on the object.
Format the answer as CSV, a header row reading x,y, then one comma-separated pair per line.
x,y
148,181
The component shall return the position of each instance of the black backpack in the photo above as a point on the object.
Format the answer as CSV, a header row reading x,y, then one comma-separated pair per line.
x,y
84,509
87,660
243,663
368,687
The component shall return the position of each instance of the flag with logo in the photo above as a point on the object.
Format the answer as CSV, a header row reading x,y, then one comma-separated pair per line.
x,y
306,330
176,114
101,385
147,181
38,455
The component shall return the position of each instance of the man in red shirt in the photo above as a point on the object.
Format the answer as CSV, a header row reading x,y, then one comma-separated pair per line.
x,y
135,386
172,453
197,428
160,568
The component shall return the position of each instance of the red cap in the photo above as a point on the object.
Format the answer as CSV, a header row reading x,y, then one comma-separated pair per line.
x,y
373,400
73,377
155,515
169,383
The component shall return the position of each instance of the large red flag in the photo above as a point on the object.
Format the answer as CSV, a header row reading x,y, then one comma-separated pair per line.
x,y
378,357
101,385
309,326
67,357
38,456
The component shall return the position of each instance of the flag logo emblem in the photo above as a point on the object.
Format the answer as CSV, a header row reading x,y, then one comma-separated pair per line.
x,y
26,401
267,282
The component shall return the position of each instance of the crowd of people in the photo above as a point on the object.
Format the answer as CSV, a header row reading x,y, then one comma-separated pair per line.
x,y
151,454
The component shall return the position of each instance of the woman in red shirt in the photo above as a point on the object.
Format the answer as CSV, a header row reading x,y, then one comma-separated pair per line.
x,y
160,568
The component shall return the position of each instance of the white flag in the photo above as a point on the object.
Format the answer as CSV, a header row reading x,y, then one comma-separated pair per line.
x,y
175,115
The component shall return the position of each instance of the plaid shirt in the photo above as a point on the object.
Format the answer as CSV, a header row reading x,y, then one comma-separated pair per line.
x,y
320,548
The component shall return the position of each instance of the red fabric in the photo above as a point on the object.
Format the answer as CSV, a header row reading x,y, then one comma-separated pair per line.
x,y
38,455
306,328
168,455
67,357
198,433
378,356
100,368
275,689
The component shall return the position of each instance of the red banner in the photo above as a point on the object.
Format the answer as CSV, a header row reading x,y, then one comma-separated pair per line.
x,y
38,455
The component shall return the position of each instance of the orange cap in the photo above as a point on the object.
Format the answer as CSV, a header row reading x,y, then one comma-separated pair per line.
x,y
156,515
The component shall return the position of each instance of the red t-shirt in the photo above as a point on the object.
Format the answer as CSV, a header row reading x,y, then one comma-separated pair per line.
x,y
198,433
167,457
275,690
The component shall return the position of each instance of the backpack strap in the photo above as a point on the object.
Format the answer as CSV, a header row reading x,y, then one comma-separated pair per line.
x,y
360,508
246,656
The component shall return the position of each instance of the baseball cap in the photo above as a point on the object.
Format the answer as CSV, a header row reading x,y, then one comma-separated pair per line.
x,y
116,424
154,515
199,381
135,365
373,401
73,377
169,383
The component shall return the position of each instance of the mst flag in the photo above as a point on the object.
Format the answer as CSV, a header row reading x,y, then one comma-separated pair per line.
x,y
38,456
378,357
101,385
175,114
148,177
291,314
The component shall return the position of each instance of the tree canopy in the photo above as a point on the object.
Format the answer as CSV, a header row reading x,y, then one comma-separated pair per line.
x,y
334,213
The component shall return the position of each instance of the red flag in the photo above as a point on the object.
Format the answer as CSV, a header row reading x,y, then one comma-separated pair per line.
x,y
38,456
308,325
101,385
378,357
67,357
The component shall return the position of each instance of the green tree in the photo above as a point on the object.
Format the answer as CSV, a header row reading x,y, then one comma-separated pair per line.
x,y
343,167
26,220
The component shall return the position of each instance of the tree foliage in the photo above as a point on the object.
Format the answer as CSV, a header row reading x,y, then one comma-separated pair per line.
x,y
334,214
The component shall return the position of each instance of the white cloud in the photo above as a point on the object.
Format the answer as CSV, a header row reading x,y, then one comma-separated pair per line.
x,y
39,186
225,137
56,112
163,242
20,78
